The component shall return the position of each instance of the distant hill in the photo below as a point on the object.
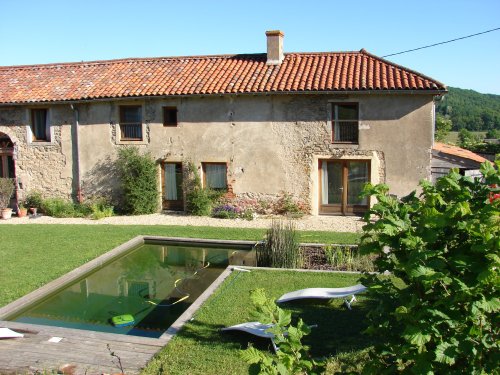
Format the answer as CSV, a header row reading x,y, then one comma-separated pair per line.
x,y
470,109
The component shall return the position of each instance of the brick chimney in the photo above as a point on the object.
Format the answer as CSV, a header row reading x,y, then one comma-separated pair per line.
x,y
275,54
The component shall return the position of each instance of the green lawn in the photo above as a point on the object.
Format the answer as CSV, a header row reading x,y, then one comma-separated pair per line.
x,y
35,254
203,349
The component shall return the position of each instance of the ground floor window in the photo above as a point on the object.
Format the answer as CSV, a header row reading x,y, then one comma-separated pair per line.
x,y
341,182
172,186
215,175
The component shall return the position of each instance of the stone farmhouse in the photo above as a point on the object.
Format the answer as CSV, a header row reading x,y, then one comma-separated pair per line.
x,y
315,125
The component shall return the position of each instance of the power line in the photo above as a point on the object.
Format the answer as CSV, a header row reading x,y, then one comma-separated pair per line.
x,y
437,44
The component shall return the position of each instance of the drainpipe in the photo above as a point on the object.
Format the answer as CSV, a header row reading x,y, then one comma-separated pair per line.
x,y
76,153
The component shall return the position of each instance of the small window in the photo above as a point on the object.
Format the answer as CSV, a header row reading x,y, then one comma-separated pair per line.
x,y
40,125
131,123
169,116
215,175
345,118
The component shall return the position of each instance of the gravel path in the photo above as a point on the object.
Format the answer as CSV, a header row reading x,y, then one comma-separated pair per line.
x,y
321,223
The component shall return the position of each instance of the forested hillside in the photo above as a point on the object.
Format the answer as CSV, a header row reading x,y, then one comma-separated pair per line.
x,y
470,110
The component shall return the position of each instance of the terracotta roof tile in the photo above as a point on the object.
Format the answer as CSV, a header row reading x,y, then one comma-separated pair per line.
x,y
228,74
457,151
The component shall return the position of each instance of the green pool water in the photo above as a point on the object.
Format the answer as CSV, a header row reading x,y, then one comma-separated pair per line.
x,y
154,283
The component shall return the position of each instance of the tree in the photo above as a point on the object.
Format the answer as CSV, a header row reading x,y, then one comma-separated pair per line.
x,y
443,127
468,140
439,313
493,134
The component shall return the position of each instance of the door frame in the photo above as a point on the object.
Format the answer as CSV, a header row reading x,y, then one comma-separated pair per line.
x,y
171,205
343,208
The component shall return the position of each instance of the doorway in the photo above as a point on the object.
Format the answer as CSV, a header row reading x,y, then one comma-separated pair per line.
x,y
341,182
7,169
7,164
171,181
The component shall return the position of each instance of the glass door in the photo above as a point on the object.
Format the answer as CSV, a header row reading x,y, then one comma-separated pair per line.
x,y
172,193
341,182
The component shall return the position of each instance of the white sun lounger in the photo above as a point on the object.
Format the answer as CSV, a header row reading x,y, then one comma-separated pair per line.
x,y
6,333
325,293
255,328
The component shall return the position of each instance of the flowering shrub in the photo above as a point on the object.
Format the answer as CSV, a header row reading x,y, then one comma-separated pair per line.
x,y
283,204
226,211
286,205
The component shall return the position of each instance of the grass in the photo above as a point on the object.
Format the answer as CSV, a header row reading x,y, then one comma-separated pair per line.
x,y
34,254
203,349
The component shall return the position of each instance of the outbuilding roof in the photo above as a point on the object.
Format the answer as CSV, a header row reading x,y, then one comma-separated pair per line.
x,y
458,151
209,75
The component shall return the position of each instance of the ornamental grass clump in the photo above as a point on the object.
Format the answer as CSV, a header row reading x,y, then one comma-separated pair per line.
x,y
444,246
281,247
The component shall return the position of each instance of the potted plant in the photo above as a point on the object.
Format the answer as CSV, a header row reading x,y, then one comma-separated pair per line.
x,y
6,190
33,202
21,210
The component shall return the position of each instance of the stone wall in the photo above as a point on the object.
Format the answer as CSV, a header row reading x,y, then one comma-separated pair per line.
x,y
42,166
271,143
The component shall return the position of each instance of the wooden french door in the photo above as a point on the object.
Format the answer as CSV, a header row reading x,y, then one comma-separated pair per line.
x,y
341,182
171,181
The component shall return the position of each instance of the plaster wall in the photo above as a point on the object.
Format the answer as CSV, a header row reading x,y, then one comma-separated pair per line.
x,y
271,143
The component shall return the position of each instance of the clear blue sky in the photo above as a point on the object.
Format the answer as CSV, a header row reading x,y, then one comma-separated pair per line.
x,y
37,32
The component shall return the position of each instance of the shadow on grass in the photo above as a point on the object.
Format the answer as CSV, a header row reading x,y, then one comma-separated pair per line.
x,y
338,329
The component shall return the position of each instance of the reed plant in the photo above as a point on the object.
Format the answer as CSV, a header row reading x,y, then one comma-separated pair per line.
x,y
281,246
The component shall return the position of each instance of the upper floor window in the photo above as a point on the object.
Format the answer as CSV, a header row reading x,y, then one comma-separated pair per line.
x,y
169,116
345,118
40,129
131,123
215,175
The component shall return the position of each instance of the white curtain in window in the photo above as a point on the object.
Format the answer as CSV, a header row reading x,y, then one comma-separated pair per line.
x,y
215,176
170,183
324,183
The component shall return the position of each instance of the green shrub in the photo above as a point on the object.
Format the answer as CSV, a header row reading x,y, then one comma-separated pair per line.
x,y
58,207
292,357
199,200
444,247
139,181
96,208
247,215
280,248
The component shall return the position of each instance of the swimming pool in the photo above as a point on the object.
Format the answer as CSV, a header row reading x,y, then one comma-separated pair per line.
x,y
152,282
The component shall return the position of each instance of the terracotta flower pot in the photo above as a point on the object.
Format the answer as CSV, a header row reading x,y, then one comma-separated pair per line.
x,y
33,210
22,212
